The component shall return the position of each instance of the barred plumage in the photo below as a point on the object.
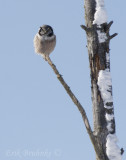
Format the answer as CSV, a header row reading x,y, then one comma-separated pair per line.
x,y
45,41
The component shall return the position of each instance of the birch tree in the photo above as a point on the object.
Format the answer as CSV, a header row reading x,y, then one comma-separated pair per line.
x,y
103,135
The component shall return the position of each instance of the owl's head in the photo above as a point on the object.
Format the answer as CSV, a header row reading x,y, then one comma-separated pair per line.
x,y
46,30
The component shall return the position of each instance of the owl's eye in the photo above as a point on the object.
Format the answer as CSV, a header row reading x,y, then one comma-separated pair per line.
x,y
49,32
47,29
41,31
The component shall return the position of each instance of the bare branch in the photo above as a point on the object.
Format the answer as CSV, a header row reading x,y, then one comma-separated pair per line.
x,y
84,27
109,25
74,99
94,139
112,36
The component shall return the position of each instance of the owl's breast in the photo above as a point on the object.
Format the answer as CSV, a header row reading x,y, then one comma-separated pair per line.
x,y
44,45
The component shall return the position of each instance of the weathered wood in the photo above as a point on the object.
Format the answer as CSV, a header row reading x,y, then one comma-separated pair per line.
x,y
109,25
97,58
113,35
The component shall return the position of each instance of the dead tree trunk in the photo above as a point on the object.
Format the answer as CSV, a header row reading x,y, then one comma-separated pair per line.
x,y
99,61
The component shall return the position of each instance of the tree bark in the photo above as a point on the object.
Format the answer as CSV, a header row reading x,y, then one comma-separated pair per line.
x,y
98,53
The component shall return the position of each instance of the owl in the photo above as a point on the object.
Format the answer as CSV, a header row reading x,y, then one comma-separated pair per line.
x,y
45,41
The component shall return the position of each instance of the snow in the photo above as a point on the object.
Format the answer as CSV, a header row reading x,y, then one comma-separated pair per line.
x,y
105,87
109,126
112,149
107,58
105,83
100,14
101,36
100,17
109,117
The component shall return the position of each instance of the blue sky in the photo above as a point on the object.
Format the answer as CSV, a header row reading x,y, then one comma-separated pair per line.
x,y
38,120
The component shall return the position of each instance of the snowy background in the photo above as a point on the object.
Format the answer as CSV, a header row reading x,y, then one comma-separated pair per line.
x,y
37,118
